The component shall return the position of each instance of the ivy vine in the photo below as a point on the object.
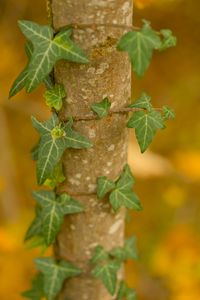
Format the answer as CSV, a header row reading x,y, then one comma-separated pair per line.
x,y
45,47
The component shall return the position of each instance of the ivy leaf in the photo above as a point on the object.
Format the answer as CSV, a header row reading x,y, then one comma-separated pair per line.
x,y
55,274
146,126
99,255
37,291
125,292
104,185
125,198
70,205
55,139
129,251
55,177
140,46
51,215
108,275
123,195
168,41
53,211
36,226
54,96
35,151
143,102
48,50
168,113
126,180
101,108
20,81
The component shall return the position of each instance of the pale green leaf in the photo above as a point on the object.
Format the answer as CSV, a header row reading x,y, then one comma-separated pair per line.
x,y
146,125
101,108
107,273
168,40
37,291
55,139
55,177
104,185
140,46
54,96
168,113
55,273
143,102
48,50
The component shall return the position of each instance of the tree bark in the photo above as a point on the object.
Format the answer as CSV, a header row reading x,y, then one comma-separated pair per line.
x,y
107,74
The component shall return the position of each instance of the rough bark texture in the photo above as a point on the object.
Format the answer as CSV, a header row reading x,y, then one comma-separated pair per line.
x,y
107,74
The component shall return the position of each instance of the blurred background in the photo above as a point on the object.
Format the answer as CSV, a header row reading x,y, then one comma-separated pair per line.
x,y
168,175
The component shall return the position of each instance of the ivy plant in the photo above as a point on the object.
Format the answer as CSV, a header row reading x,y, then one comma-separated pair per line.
x,y
45,47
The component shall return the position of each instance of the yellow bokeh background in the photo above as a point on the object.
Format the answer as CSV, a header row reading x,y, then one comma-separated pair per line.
x,y
168,174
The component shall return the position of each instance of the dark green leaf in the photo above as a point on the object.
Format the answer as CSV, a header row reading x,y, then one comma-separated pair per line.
x,y
108,275
129,251
140,46
101,108
37,291
48,50
69,205
36,226
129,199
54,274
143,102
104,185
55,138
56,177
99,255
126,180
146,125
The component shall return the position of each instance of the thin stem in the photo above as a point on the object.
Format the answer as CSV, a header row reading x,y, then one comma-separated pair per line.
x,y
124,110
95,26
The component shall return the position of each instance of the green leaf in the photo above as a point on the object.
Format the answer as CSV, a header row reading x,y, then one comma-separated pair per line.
x,y
104,185
99,255
36,226
101,108
107,273
35,151
126,180
20,81
146,125
53,211
168,113
140,46
54,96
125,292
129,251
168,41
143,102
55,177
55,139
125,198
37,291
70,205
55,274
48,50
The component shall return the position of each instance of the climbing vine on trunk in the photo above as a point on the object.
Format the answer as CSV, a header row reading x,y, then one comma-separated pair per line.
x,y
44,48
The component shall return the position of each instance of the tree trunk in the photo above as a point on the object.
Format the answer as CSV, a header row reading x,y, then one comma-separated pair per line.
x,y
107,74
